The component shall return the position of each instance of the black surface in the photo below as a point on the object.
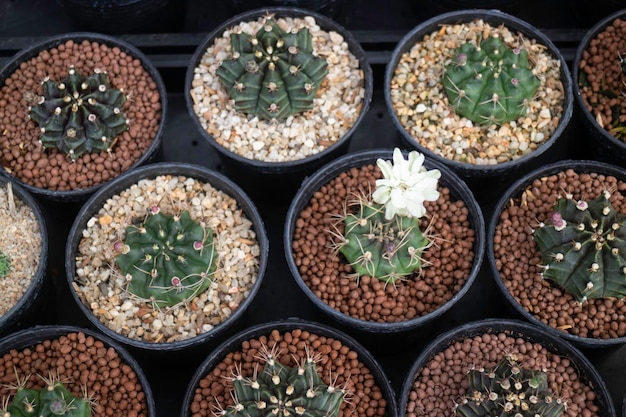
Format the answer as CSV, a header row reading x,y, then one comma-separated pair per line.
x,y
378,26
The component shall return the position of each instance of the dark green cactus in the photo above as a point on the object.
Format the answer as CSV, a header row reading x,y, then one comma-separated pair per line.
x,y
79,114
170,259
491,83
50,401
274,74
381,248
5,264
509,390
282,391
583,248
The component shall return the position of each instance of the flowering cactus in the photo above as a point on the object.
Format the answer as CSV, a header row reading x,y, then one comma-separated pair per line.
x,y
80,114
5,264
274,74
490,83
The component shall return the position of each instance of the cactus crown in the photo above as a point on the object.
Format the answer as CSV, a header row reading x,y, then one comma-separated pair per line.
x,y
169,259
5,264
508,390
489,83
53,400
80,114
282,391
274,74
583,248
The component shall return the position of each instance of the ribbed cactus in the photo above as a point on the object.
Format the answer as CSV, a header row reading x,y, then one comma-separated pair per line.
x,y
381,248
508,390
5,264
50,401
80,114
583,248
170,259
274,74
281,391
491,83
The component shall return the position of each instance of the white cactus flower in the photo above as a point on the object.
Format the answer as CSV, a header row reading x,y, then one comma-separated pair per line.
x,y
406,186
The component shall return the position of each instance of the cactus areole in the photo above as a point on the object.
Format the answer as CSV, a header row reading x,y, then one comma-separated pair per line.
x,y
490,83
583,248
274,74
80,114
168,259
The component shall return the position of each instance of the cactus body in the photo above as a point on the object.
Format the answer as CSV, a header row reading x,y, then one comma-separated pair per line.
x,y
53,400
170,259
282,391
583,248
381,248
274,74
5,264
491,83
508,390
79,115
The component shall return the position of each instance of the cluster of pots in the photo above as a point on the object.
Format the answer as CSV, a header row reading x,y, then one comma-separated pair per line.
x,y
127,189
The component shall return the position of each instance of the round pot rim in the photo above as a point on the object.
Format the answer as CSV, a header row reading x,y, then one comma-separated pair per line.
x,y
513,23
31,293
326,23
81,194
513,191
517,328
220,182
582,46
326,173
41,333
283,325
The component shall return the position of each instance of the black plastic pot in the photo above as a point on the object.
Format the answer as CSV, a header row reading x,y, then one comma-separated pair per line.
x,y
504,170
277,181
601,144
511,328
25,306
330,8
153,151
30,337
235,344
124,181
379,333
515,191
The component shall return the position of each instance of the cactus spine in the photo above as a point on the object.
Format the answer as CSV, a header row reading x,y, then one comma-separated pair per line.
x,y
80,114
274,74
5,264
169,259
583,248
509,390
491,83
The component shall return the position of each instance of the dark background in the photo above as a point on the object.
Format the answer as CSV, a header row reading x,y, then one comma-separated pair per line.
x,y
170,40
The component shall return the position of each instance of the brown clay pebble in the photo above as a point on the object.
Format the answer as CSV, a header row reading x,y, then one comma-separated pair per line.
x,y
82,363
20,150
518,257
364,398
442,382
448,260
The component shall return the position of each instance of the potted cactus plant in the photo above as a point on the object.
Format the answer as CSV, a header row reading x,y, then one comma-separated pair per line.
x,y
277,92
166,257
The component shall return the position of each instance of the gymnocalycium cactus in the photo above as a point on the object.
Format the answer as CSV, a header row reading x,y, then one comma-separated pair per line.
x,y
282,391
80,114
169,258
583,248
509,390
491,83
5,264
382,237
274,74
54,399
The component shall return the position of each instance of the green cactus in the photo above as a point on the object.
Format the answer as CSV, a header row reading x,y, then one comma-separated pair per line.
x,y
508,390
283,391
274,74
5,264
170,259
491,83
381,248
79,114
50,401
583,248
